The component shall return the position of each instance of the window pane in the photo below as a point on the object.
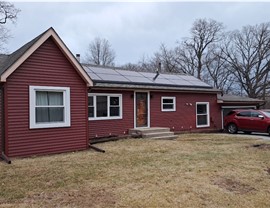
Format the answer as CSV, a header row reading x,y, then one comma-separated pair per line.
x,y
56,114
202,119
114,100
91,112
55,98
41,98
244,114
255,114
170,101
102,106
168,106
49,98
90,101
201,109
49,114
114,111
42,115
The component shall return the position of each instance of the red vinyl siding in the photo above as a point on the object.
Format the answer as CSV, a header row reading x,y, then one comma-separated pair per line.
x,y
103,128
1,118
47,66
184,118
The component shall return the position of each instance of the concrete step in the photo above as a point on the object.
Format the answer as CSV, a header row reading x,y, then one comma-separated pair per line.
x,y
157,134
149,130
152,133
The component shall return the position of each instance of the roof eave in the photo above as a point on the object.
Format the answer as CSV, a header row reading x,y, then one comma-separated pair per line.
x,y
155,88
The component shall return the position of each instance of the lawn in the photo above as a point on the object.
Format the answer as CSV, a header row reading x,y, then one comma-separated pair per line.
x,y
196,170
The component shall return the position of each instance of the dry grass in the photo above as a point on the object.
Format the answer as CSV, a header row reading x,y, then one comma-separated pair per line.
x,y
196,170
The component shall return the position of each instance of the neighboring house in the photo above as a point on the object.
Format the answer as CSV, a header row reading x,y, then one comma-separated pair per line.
x,y
50,103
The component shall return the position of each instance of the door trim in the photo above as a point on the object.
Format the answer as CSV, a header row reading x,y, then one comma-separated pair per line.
x,y
148,109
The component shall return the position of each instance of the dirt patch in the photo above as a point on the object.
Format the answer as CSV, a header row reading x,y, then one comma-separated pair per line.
x,y
262,146
233,185
73,198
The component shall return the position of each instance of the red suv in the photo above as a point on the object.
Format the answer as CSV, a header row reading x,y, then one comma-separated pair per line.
x,y
248,121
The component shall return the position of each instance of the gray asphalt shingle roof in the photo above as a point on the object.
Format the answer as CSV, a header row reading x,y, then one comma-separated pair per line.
x,y
238,99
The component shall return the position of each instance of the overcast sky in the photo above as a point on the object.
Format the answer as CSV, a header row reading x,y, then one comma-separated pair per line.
x,y
133,29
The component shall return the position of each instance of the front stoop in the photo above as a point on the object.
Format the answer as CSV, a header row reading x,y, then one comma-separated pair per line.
x,y
152,133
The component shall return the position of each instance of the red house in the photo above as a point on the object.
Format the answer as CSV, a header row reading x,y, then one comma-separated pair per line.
x,y
50,103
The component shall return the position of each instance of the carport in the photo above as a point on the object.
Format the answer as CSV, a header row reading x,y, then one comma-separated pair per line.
x,y
231,102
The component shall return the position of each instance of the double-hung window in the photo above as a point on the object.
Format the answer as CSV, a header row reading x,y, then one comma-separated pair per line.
x,y
49,107
202,114
104,106
168,104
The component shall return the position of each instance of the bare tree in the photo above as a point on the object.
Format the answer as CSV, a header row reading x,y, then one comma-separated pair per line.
x,y
186,59
248,54
218,74
145,64
165,56
168,59
100,53
192,51
8,12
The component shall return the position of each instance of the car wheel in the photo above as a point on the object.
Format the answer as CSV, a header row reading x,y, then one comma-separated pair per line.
x,y
247,132
268,131
232,128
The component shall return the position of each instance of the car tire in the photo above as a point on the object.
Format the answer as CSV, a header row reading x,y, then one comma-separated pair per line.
x,y
268,131
232,128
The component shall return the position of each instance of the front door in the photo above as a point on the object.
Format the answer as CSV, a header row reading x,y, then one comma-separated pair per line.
x,y
141,109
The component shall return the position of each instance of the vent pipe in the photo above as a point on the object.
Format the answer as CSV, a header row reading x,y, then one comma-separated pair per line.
x,y
157,71
78,57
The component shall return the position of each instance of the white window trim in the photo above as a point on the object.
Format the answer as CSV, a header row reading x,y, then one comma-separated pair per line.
x,y
174,104
108,117
32,105
208,114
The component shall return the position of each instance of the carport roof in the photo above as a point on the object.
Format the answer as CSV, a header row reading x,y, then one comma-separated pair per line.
x,y
234,99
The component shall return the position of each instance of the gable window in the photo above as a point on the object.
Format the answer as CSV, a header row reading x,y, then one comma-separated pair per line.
x,y
104,106
168,104
202,114
49,107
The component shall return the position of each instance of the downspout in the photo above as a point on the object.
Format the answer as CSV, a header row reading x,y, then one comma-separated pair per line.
x,y
3,142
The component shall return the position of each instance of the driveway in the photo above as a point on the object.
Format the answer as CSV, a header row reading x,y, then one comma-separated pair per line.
x,y
263,136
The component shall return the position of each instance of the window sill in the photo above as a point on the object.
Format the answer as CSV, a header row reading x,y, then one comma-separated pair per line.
x,y
104,118
168,110
203,126
49,125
